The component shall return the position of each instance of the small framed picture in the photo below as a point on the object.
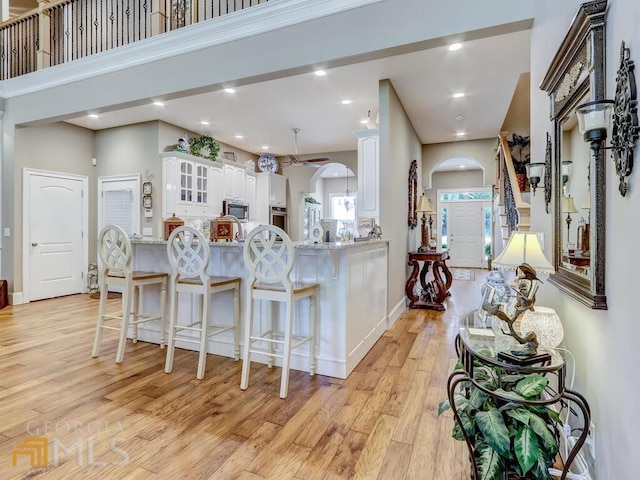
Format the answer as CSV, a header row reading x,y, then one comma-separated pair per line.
x,y
147,188
146,201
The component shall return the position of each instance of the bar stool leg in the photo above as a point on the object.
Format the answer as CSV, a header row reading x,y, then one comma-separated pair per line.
x,y
272,322
204,327
246,358
163,315
102,307
134,314
313,315
286,354
173,313
124,325
236,322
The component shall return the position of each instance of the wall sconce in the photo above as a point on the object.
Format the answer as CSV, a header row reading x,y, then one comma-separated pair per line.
x,y
565,173
569,207
535,171
595,118
425,206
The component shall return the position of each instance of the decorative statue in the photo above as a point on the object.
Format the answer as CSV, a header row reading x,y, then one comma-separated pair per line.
x,y
526,284
183,144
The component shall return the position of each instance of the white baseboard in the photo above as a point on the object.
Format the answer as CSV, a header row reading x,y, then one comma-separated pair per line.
x,y
16,298
396,311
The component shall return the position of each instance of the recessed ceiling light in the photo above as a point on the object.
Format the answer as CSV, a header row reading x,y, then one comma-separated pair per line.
x,y
461,166
455,46
93,115
239,136
346,102
460,134
458,95
158,104
320,73
204,122
364,121
265,147
229,90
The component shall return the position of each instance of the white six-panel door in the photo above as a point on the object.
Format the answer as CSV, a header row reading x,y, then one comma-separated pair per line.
x,y
55,247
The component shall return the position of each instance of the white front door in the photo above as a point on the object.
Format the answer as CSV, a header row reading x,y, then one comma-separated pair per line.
x,y
55,247
466,234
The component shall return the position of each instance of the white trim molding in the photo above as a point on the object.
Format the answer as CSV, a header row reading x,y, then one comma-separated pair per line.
x,y
259,19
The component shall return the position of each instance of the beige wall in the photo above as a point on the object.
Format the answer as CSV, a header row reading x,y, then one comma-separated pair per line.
x,y
58,147
603,342
482,151
463,179
399,145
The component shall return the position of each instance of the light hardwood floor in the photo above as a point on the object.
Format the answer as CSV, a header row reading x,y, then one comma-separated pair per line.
x,y
133,421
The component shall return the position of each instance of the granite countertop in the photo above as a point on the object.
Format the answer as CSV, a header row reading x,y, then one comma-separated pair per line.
x,y
299,245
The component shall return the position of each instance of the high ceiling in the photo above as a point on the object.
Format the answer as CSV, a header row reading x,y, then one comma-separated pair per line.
x,y
485,70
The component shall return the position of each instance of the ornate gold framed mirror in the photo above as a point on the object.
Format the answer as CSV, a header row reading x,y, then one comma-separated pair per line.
x,y
577,75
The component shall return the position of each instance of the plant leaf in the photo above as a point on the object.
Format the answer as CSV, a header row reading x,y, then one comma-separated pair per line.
x,y
462,402
517,412
490,464
542,430
531,386
510,395
526,447
494,430
477,397
443,406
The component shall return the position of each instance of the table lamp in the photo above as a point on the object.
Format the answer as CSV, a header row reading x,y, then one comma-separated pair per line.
x,y
524,253
425,206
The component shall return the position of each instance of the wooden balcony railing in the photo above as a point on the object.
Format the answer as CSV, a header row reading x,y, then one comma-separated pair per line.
x,y
60,31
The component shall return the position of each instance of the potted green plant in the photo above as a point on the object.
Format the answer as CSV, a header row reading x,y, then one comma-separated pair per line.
x,y
511,438
519,149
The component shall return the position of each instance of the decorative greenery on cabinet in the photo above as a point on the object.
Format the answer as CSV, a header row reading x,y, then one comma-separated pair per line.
x,y
203,146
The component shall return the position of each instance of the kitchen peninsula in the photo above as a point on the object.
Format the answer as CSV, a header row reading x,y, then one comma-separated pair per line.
x,y
352,299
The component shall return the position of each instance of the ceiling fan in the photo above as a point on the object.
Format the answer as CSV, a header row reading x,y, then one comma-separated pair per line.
x,y
294,160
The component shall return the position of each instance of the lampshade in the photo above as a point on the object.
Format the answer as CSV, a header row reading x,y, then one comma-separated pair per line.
x,y
587,202
594,116
523,247
425,205
568,206
545,323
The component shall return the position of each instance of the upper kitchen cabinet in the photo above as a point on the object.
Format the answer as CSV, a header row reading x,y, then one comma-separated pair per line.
x,y
234,181
250,189
368,173
188,188
272,189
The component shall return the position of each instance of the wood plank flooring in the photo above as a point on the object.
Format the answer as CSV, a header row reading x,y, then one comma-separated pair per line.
x,y
133,421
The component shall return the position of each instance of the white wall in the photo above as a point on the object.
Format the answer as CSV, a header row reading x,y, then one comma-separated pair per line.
x,y
482,151
604,342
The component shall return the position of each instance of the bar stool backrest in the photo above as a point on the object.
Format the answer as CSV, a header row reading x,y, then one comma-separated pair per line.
x,y
115,250
189,253
268,254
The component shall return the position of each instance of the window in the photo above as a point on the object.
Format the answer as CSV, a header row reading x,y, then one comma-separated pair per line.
x,y
343,207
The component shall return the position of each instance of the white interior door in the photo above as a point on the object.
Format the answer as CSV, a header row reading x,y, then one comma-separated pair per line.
x,y
55,247
465,234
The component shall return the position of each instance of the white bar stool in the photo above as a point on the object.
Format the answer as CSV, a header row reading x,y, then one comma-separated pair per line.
x,y
269,256
189,255
116,252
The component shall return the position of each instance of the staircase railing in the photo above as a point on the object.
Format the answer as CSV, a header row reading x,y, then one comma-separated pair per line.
x,y
518,211
60,31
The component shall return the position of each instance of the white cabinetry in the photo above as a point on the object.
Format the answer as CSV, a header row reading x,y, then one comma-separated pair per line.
x,y
189,187
271,191
250,194
234,181
368,173
217,188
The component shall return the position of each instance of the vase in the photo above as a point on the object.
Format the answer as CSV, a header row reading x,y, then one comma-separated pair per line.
x,y
522,181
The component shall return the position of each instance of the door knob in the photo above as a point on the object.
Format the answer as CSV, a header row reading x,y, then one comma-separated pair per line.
x,y
34,244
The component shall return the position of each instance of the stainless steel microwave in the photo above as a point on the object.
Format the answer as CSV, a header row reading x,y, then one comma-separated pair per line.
x,y
237,208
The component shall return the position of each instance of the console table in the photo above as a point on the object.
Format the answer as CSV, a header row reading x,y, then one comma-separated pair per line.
x,y
435,290
478,348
